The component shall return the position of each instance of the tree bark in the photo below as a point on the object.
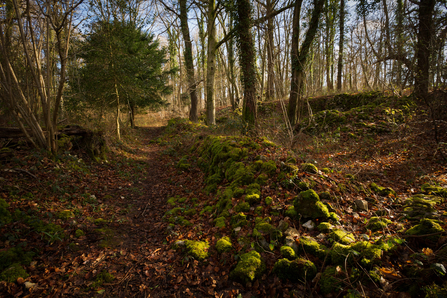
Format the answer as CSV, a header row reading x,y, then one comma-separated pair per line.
x,y
341,45
247,62
210,64
189,62
423,49
299,58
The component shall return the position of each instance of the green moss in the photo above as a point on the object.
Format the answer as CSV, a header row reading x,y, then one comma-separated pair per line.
x,y
224,245
324,227
248,268
308,205
197,249
309,168
342,236
100,221
434,190
268,143
421,206
308,245
367,250
339,253
331,280
262,179
288,252
79,233
12,273
269,167
253,199
14,255
333,216
183,164
190,212
258,210
290,212
172,201
296,270
213,179
206,209
242,207
377,223
66,214
268,200
238,192
219,222
426,226
5,215
264,228
243,176
326,170
238,220
101,278
382,191
253,188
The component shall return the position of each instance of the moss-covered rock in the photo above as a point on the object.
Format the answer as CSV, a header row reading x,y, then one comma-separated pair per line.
x,y
269,167
253,199
79,233
331,280
12,273
219,222
425,227
242,207
339,253
66,214
382,191
288,252
224,244
268,200
308,245
309,168
296,270
308,205
249,267
290,212
264,228
197,249
238,220
377,223
262,179
324,227
434,190
342,236
421,206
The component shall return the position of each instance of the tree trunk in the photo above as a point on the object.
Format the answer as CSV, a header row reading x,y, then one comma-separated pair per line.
x,y
270,94
423,49
341,45
247,62
299,59
189,62
210,66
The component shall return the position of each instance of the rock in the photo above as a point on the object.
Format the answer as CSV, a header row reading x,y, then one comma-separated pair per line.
x,y
364,237
425,227
309,225
283,225
299,269
248,268
361,205
224,244
291,242
29,285
237,229
342,236
377,223
288,252
292,232
324,227
180,243
308,205
310,168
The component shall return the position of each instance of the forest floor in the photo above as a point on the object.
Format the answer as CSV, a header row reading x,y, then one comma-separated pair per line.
x,y
70,227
